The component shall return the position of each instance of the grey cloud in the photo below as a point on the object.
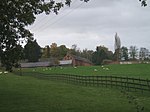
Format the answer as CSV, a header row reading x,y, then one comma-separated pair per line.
x,y
96,22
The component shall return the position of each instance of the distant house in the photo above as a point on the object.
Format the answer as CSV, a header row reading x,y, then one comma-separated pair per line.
x,y
44,62
35,64
65,62
78,61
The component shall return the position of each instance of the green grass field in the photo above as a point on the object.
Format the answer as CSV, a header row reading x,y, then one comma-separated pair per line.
x,y
29,94
133,70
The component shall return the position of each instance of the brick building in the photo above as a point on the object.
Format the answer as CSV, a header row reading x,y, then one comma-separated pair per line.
x,y
78,61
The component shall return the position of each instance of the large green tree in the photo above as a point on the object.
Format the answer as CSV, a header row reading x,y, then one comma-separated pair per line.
x,y
11,56
32,51
15,15
102,53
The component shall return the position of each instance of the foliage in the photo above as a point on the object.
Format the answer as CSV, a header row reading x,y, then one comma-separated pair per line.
x,y
32,51
63,50
100,54
87,54
143,3
133,52
10,57
124,53
74,50
46,52
144,54
15,16
117,48
117,42
54,50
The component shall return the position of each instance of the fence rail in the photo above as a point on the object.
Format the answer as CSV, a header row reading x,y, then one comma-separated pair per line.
x,y
128,83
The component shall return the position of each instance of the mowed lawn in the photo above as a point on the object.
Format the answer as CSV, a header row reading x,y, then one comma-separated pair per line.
x,y
130,70
28,94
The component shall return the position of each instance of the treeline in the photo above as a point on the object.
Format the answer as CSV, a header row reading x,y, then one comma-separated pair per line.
x,y
102,55
33,52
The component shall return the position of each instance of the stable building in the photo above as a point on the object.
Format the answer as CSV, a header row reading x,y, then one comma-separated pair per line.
x,y
78,61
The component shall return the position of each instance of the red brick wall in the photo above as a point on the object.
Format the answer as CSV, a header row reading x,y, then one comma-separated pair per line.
x,y
80,63
77,62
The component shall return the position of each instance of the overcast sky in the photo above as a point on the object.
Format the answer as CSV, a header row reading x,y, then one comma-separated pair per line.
x,y
95,23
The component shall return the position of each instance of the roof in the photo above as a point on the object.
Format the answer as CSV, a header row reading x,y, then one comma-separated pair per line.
x,y
35,64
65,62
80,58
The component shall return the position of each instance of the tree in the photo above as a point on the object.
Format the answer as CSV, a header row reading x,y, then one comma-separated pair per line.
x,y
9,58
15,16
87,54
117,48
143,3
101,54
54,50
124,53
46,52
32,51
63,50
73,49
143,54
133,52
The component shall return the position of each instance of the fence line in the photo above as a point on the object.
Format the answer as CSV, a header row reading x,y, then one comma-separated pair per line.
x,y
128,83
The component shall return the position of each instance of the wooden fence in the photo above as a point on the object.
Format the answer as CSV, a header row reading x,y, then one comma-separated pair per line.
x,y
128,83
